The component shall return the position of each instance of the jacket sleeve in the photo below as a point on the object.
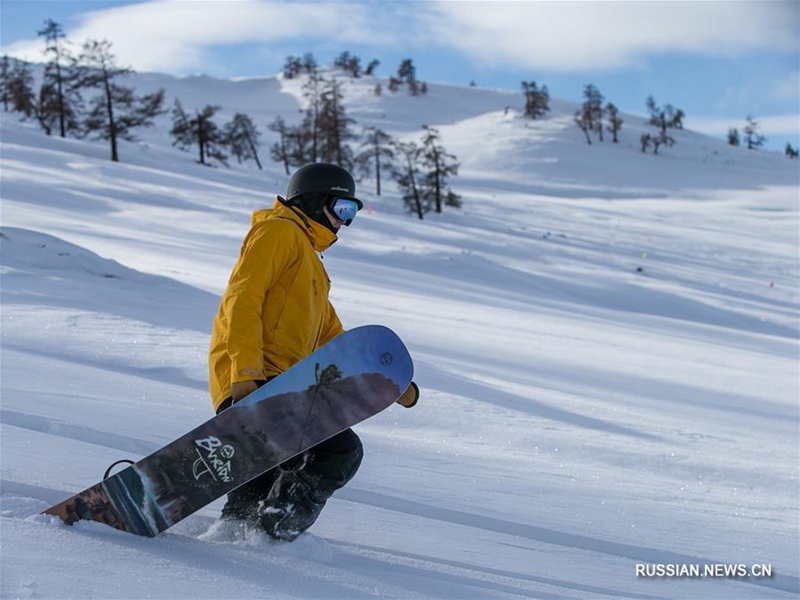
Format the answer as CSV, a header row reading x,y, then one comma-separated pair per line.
x,y
266,253
332,326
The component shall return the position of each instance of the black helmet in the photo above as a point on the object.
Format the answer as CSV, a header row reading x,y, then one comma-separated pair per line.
x,y
321,178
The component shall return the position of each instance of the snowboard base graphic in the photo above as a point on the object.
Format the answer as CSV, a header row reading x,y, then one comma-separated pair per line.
x,y
353,377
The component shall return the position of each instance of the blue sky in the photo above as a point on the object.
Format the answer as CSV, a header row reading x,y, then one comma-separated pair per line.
x,y
717,60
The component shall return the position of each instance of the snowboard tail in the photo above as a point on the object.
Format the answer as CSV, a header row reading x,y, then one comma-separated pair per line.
x,y
352,378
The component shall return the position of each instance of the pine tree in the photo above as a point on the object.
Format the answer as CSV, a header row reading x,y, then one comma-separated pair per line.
x,y
537,101
751,135
349,63
117,110
279,151
49,114
583,119
593,109
299,143
733,137
407,73
440,166
378,152
325,131
664,119
60,80
406,172
657,116
242,136
292,67
312,90
371,66
334,129
655,141
18,90
309,63
614,121
645,141
5,73
200,130
675,117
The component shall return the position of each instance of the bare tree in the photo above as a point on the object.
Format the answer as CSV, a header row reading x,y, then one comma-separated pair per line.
x,y
378,151
116,111
406,173
200,130
279,151
60,79
241,135
441,165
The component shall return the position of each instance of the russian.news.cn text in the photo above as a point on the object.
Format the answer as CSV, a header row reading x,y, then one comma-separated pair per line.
x,y
702,570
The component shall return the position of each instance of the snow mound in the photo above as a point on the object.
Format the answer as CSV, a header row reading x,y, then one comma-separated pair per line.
x,y
23,249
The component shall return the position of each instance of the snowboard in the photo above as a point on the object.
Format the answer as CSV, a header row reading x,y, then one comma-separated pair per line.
x,y
353,377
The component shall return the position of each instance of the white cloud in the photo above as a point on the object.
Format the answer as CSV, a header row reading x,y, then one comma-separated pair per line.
x,y
580,35
174,36
177,36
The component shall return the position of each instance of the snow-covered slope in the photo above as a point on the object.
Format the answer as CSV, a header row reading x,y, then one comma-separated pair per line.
x,y
607,344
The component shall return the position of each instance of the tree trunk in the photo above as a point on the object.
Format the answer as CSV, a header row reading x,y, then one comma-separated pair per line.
x,y
201,138
377,174
112,125
417,199
61,108
253,150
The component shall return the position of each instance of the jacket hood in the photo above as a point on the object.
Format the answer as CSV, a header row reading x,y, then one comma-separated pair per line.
x,y
321,237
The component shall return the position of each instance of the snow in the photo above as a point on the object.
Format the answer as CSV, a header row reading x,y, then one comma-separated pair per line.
x,y
606,343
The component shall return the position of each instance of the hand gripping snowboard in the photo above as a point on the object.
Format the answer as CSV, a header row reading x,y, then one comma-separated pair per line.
x,y
355,376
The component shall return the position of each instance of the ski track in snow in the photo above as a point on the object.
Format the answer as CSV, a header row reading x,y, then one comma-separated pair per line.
x,y
607,344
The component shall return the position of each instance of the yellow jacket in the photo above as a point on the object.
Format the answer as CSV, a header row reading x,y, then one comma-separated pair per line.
x,y
275,310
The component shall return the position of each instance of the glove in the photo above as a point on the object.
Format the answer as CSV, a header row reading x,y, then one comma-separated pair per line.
x,y
240,389
410,396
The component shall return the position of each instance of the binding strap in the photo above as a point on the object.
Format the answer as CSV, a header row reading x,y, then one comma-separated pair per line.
x,y
119,462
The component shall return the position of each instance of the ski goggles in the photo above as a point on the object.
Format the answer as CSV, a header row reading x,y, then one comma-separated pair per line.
x,y
344,209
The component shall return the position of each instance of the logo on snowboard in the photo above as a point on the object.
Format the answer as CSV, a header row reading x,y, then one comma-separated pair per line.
x,y
214,460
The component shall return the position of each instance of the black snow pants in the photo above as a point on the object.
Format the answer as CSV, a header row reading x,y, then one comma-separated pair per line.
x,y
286,500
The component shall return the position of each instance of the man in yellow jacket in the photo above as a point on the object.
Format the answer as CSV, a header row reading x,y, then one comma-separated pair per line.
x,y
275,312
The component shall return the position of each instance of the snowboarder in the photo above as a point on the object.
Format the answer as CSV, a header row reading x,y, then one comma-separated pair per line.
x,y
275,312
